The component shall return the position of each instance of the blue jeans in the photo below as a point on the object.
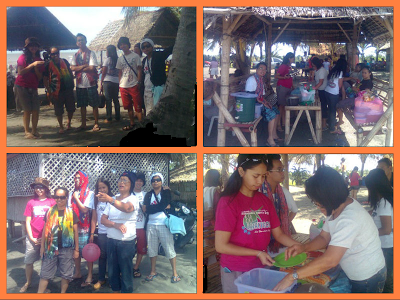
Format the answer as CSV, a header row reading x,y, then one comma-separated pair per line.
x,y
120,266
111,91
388,254
324,104
332,100
102,243
374,284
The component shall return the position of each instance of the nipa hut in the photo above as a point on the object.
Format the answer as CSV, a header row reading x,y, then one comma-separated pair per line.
x,y
292,25
39,22
161,26
184,180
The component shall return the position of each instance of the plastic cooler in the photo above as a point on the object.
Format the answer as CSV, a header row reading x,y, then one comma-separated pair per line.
x,y
245,106
261,280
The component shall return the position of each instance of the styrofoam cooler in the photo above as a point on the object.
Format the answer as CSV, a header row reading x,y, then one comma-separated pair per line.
x,y
261,280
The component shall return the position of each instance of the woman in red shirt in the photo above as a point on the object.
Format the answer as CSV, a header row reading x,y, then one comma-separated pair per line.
x,y
354,183
284,86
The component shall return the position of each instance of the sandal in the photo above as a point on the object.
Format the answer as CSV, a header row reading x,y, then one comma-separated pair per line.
x,y
24,288
86,283
29,136
61,131
337,131
175,279
36,135
80,128
136,273
127,128
98,284
151,277
271,145
96,128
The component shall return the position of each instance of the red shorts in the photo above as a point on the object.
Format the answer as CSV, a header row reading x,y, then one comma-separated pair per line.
x,y
141,241
131,98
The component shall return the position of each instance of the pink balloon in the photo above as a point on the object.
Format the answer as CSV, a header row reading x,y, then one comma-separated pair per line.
x,y
91,252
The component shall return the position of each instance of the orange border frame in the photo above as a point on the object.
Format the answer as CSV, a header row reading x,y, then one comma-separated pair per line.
x,y
199,149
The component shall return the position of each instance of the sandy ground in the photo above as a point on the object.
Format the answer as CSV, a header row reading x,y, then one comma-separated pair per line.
x,y
109,135
308,211
302,135
186,265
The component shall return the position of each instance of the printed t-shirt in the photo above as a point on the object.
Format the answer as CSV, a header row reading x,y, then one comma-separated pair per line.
x,y
37,210
250,220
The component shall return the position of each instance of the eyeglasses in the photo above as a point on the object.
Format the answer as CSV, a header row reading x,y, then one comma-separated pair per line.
x,y
123,181
146,46
279,170
55,53
60,197
156,180
39,187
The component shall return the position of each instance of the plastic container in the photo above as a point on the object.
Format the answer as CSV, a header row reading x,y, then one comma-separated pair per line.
x,y
261,280
292,100
257,112
245,106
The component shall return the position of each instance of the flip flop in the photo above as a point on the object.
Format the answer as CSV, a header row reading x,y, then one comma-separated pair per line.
x,y
29,136
24,288
151,277
175,279
61,131
47,291
337,131
136,273
85,283
96,128
278,139
98,284
80,128
127,128
269,145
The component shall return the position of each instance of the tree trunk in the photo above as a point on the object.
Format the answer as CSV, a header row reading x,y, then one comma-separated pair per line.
x,y
224,168
174,114
261,50
318,160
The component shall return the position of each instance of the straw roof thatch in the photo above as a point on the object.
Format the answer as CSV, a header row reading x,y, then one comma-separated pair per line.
x,y
184,174
307,24
39,22
161,26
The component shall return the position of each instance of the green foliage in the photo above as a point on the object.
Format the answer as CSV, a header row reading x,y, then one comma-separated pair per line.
x,y
299,175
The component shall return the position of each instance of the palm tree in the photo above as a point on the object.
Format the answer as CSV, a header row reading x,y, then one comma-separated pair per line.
x,y
362,47
174,113
363,158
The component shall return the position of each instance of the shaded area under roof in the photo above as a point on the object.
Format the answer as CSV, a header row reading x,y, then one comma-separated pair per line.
x,y
306,24
39,22
161,26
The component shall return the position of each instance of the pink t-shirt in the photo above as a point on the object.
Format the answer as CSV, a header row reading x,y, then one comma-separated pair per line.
x,y
354,179
283,70
28,80
37,209
250,220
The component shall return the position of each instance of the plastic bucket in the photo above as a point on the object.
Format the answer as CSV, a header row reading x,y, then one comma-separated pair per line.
x,y
261,280
245,107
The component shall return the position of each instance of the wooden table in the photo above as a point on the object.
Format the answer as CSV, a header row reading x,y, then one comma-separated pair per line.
x,y
316,106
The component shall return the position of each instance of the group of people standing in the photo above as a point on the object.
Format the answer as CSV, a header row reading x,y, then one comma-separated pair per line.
x,y
252,218
59,226
135,79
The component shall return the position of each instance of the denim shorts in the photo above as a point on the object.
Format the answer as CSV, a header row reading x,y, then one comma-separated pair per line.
x,y
374,284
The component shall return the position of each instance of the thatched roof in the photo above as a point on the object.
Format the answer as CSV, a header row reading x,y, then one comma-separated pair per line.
x,y
39,22
307,24
187,173
161,26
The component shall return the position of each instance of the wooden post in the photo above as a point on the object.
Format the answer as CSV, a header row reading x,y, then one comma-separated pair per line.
x,y
388,138
354,46
268,45
285,162
225,63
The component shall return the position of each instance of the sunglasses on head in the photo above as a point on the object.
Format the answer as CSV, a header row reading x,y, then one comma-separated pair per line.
x,y
60,197
156,180
146,46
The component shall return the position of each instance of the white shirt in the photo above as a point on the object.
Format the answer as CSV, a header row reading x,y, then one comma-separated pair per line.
x,y
208,197
333,85
128,219
355,230
251,85
140,217
128,78
101,206
146,70
89,203
384,208
157,218
322,73
289,200
92,62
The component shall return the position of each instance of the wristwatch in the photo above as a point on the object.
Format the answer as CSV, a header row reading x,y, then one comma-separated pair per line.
x,y
295,275
113,201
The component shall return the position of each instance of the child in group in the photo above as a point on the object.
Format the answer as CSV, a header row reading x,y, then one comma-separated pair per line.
x,y
245,220
354,183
